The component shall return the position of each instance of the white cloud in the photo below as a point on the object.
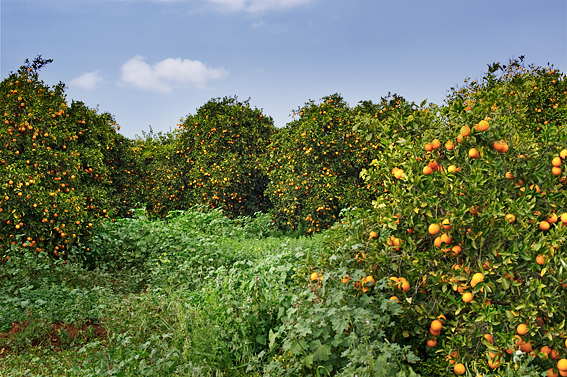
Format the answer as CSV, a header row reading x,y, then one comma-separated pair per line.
x,y
89,80
163,75
256,6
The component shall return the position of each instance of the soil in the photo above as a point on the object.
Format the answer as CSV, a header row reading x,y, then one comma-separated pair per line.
x,y
53,337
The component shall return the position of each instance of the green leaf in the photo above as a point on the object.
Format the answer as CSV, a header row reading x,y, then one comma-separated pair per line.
x,y
272,337
321,351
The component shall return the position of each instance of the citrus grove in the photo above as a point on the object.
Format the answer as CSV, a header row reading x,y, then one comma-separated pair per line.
x,y
452,217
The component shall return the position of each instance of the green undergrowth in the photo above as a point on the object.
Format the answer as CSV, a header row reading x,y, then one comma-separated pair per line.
x,y
199,294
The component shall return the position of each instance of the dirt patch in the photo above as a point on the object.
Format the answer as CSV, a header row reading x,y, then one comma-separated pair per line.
x,y
58,335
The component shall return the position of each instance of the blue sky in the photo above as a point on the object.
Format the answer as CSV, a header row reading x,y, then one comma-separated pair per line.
x,y
150,62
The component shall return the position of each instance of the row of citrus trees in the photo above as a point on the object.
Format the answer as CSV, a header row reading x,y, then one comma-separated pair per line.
x,y
467,200
470,225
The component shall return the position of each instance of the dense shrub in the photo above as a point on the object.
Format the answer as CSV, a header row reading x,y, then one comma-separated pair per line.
x,y
220,155
55,166
474,226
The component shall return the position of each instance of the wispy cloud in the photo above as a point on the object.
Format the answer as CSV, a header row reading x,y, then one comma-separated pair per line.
x,y
255,6
164,75
89,80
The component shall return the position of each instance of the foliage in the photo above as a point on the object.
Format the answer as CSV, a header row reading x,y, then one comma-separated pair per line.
x,y
484,254
55,166
219,157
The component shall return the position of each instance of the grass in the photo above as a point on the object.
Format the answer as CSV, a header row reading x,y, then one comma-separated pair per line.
x,y
198,294
194,295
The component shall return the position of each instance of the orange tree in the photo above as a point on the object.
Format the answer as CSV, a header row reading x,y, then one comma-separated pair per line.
x,y
155,182
219,157
471,226
54,166
316,160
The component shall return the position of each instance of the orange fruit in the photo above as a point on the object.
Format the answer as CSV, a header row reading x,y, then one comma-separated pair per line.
x,y
556,161
551,373
467,297
546,350
494,362
394,298
456,250
405,286
446,224
345,279
447,239
427,170
488,337
564,218
503,148
556,170
435,143
436,325
540,259
459,138
526,347
449,145
544,225
554,355
428,147
509,175
562,364
452,169
459,369
522,329
552,219
510,218
477,278
434,229
483,125
314,276
373,235
434,165
465,131
432,343
368,279
563,154
434,333
497,146
473,153
437,242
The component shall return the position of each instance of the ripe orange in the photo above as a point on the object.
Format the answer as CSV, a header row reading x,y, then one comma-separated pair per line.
x,y
503,148
467,297
465,131
551,373
544,225
394,298
483,125
435,144
405,286
314,276
446,224
449,145
434,229
488,337
373,234
456,250
434,165
509,175
427,170
477,278
540,259
510,218
345,279
556,170
447,239
546,350
562,364
436,325
563,154
564,218
452,169
369,279
494,362
473,153
552,219
556,161
434,333
522,329
428,147
432,343
459,369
